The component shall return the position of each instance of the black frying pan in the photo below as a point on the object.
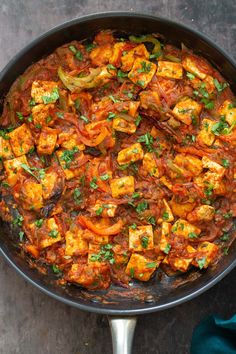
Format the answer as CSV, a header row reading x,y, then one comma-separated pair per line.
x,y
121,304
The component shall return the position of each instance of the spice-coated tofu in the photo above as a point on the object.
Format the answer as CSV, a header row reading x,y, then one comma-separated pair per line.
x,y
69,139
122,125
191,64
140,267
13,167
122,186
105,209
133,107
212,182
52,236
69,173
101,55
213,166
167,214
51,184
128,59
150,100
149,165
141,238
183,228
93,255
187,110
206,254
41,114
202,213
181,209
166,182
165,233
130,154
170,70
44,91
115,58
5,150
47,141
75,244
205,135
228,110
182,263
21,140
189,163
142,72
30,195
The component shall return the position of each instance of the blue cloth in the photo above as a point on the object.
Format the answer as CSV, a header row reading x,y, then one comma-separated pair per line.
x,y
215,336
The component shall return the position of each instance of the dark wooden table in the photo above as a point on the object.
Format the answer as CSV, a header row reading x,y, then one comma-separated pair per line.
x,y
31,322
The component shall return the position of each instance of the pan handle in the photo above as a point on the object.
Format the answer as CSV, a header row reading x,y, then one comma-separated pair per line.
x,y
122,332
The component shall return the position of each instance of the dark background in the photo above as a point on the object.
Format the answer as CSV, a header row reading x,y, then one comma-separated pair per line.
x,y
31,322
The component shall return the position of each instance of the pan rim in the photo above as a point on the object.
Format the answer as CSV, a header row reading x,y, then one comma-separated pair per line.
x,y
102,309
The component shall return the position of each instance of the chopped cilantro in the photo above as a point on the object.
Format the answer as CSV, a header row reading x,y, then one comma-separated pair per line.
x,y
228,215
167,248
99,210
89,47
52,97
105,254
20,115
18,220
121,74
32,102
142,206
110,116
21,235
68,156
138,120
192,235
224,237
151,265
220,86
151,220
144,241
141,83
111,67
114,100
55,269
53,233
165,215
105,177
135,195
39,223
147,139
133,226
131,271
93,183
190,76
201,262
225,163
145,68
77,196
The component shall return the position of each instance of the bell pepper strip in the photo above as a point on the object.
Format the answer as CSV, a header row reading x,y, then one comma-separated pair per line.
x,y
110,230
157,45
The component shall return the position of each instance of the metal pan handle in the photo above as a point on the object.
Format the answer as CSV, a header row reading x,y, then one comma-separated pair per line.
x,y
122,332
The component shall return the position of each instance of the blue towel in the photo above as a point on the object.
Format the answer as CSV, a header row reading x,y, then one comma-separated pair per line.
x,y
215,336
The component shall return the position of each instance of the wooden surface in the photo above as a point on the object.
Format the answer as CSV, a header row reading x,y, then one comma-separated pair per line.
x,y
32,323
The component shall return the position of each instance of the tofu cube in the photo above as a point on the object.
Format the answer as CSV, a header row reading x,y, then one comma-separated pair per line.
x,y
183,228
41,114
228,110
165,233
142,72
115,58
13,167
213,166
122,125
205,135
101,55
128,59
140,267
47,141
90,276
75,244
105,210
202,213
167,214
206,254
51,184
69,173
122,186
181,209
141,238
52,236
150,100
211,180
30,195
93,255
130,154
5,150
169,70
191,64
187,110
21,140
69,139
190,163
149,165
44,91
133,108
182,264
166,182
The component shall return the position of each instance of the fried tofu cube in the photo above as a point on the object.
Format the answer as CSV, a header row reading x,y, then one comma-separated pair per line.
x,y
228,110
211,181
149,165
166,182
150,100
183,228
202,213
90,276
115,58
75,244
128,59
5,150
47,141
101,55
167,214
182,264
69,140
21,140
41,114
93,255
205,135
169,69
122,186
105,210
213,166
141,238
191,64
206,254
140,267
69,173
181,209
53,235
130,154
189,162
13,167
142,72
30,195
187,110
122,125
44,91
165,233
51,184
133,107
